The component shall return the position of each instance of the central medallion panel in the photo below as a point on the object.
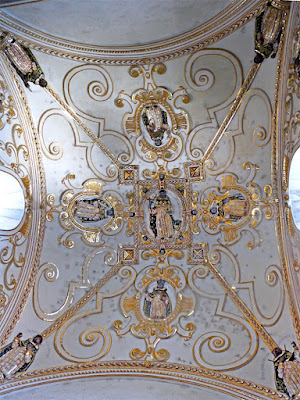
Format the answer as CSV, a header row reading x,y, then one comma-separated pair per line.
x,y
163,212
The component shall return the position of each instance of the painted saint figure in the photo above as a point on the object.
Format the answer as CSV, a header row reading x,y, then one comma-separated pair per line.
x,y
161,220
287,371
268,29
230,208
17,356
156,123
92,210
22,60
157,304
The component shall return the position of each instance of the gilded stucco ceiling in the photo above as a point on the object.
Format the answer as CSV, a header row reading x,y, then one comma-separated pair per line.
x,y
148,21
168,253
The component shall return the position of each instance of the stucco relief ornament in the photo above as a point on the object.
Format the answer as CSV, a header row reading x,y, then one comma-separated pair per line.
x,y
155,307
22,60
154,121
268,30
17,356
287,371
161,214
294,67
233,207
88,210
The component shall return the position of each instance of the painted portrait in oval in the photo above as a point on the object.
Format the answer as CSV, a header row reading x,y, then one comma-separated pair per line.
x,y
158,300
155,124
230,208
92,211
163,214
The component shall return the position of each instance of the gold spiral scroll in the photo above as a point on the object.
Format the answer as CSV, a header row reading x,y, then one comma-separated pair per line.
x,y
259,329
235,106
81,302
85,128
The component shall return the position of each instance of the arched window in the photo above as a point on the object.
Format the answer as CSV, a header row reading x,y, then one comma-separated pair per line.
x,y
294,188
12,203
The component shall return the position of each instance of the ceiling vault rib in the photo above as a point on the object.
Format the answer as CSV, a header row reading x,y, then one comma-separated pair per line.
x,y
259,329
234,108
205,178
160,51
81,302
85,128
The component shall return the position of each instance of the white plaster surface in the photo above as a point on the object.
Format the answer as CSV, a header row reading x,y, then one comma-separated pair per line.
x,y
116,22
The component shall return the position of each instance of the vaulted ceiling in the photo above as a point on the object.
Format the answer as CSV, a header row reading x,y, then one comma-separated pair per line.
x,y
141,252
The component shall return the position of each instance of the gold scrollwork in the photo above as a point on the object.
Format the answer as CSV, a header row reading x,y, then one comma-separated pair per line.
x,y
99,89
202,74
156,309
97,335
7,110
163,139
150,352
220,342
217,342
81,211
14,161
232,208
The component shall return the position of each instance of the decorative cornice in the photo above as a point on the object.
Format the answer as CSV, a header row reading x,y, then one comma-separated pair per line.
x,y
277,165
232,18
192,375
27,276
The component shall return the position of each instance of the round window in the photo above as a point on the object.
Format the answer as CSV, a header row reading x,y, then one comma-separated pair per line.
x,y
12,203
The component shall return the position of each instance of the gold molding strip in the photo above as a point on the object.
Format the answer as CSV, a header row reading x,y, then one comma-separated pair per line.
x,y
17,302
235,106
85,128
284,55
259,329
188,374
81,302
231,18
